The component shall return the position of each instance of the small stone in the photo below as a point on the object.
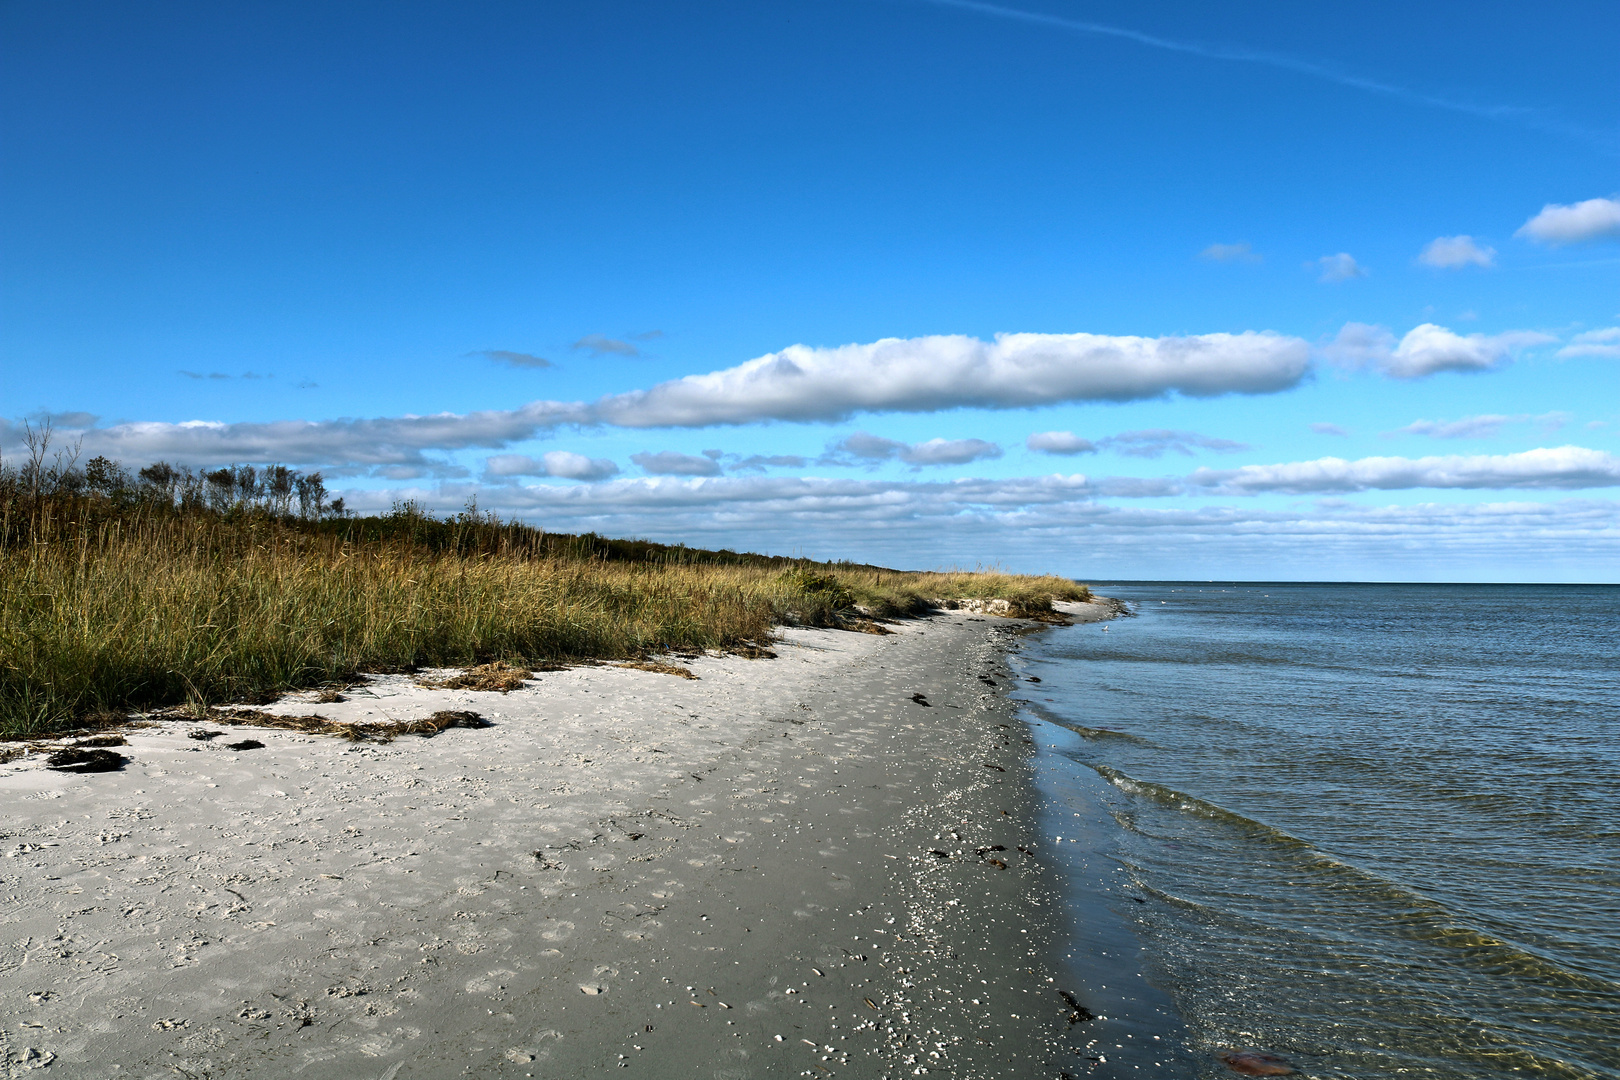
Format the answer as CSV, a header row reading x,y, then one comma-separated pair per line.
x,y
1257,1063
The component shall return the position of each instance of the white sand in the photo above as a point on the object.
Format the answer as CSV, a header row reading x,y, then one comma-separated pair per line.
x,y
541,897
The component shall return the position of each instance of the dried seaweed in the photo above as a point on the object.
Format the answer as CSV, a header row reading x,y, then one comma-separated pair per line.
x,y
498,676
750,651
79,759
662,669
426,727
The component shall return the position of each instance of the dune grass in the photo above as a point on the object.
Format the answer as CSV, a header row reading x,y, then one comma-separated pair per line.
x,y
107,608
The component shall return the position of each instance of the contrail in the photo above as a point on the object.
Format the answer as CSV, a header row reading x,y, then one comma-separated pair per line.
x,y
1605,141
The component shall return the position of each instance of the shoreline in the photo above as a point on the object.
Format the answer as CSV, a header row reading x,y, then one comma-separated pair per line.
x,y
847,884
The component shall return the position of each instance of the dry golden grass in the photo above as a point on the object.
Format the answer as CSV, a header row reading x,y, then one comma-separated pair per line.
x,y
495,677
659,668
145,613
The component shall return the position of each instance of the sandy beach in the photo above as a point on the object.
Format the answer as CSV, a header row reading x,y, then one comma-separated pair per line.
x,y
825,864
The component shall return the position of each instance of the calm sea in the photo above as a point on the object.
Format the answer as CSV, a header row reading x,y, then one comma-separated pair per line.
x,y
1372,829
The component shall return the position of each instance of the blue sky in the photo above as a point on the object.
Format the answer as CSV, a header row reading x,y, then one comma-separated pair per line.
x,y
1298,292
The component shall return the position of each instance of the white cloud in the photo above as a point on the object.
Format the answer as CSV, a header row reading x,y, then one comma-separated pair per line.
x,y
949,452
940,372
1340,267
670,463
384,441
561,463
933,452
1603,343
1455,252
1426,349
1323,428
1594,219
864,444
1555,468
799,383
1230,253
1154,443
1060,442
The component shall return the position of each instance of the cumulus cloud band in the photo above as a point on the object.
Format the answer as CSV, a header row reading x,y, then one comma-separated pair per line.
x,y
800,383
940,372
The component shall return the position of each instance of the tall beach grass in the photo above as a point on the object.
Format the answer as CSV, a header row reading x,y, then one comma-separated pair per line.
x,y
112,602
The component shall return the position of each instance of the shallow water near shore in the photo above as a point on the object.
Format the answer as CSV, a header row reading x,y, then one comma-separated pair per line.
x,y
1374,829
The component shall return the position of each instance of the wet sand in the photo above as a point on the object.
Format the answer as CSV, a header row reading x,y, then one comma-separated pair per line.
x,y
786,867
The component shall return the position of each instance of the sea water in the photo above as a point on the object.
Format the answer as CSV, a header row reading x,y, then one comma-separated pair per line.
x,y
1371,829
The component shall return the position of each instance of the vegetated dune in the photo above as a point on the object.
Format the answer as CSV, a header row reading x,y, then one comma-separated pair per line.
x,y
121,592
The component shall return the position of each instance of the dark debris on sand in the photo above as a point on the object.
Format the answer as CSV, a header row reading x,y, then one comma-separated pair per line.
x,y
427,727
81,760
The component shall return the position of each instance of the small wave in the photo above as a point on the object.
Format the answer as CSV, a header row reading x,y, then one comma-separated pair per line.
x,y
1103,734
1396,909
1095,734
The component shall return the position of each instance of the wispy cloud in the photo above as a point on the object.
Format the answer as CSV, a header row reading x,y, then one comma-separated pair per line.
x,y
1316,69
1228,253
1157,442
1335,268
1456,252
1544,469
1575,223
1152,443
1323,428
513,359
1604,343
870,447
71,419
758,463
670,463
1486,426
220,375
599,345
